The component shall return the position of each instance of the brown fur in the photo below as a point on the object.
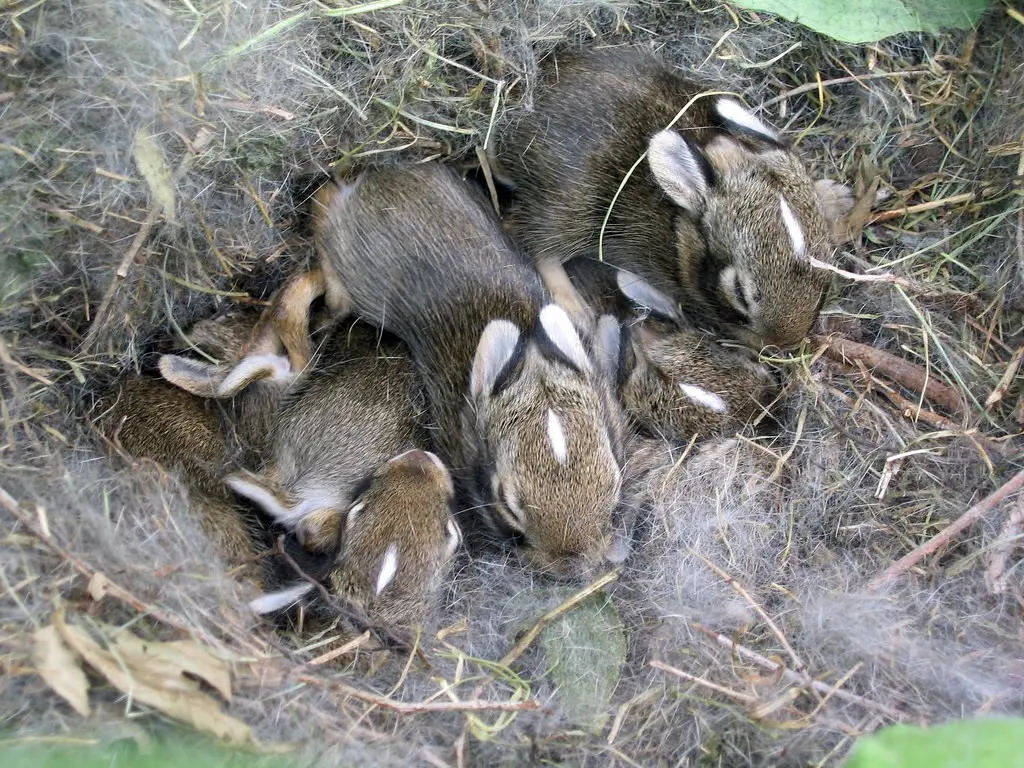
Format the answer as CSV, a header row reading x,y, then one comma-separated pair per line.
x,y
342,465
150,418
592,120
418,252
658,356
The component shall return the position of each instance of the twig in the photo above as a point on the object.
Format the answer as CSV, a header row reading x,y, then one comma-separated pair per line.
x,y
341,650
901,371
349,610
1006,380
403,708
202,139
963,522
795,677
739,589
524,642
485,166
842,81
11,505
1009,537
931,205
746,698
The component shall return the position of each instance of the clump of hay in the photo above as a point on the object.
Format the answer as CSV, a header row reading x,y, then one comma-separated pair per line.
x,y
751,587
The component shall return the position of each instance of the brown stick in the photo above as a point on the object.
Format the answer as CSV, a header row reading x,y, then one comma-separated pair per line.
x,y
842,81
403,708
901,371
963,522
1006,380
742,592
519,648
201,141
746,698
931,205
11,505
794,677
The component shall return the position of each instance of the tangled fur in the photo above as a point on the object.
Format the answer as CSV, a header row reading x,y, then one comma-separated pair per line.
x,y
250,106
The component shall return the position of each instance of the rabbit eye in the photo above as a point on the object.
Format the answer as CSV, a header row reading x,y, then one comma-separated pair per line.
x,y
507,509
732,286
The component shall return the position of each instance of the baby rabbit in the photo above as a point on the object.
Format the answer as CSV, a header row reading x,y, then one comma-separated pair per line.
x,y
151,418
525,414
344,468
257,361
675,382
389,551
722,217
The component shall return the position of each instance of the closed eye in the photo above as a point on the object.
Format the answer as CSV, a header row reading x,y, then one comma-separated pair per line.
x,y
506,508
454,537
739,300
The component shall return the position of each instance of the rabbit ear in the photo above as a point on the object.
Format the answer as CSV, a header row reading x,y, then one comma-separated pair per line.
x,y
559,330
735,117
257,490
253,368
564,293
645,295
282,598
199,378
285,324
610,339
208,380
680,169
496,349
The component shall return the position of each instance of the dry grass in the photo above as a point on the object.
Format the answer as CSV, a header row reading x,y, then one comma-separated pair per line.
x,y
753,598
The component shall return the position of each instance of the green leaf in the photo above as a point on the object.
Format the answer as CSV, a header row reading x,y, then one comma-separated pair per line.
x,y
865,21
586,649
982,743
153,168
172,752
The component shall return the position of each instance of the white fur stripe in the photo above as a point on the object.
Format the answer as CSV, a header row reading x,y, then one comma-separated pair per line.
x,y
796,234
732,111
562,332
254,367
388,567
353,513
703,397
275,601
556,438
258,494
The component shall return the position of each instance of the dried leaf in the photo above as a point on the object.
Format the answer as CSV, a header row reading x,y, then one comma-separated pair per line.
x,y
157,679
172,659
150,160
98,586
60,668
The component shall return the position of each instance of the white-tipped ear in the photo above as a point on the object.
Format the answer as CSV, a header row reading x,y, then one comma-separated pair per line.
x,y
679,168
562,333
494,350
251,487
199,378
275,601
835,200
737,118
645,295
609,343
254,368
